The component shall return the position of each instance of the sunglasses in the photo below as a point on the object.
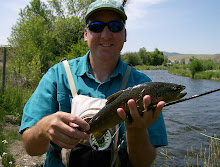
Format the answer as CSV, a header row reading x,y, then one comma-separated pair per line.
x,y
98,26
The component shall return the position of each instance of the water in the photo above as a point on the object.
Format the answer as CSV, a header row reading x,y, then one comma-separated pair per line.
x,y
202,114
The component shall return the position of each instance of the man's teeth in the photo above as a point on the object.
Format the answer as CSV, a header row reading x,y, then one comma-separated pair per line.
x,y
106,45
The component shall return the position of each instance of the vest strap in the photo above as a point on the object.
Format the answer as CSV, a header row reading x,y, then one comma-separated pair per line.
x,y
70,78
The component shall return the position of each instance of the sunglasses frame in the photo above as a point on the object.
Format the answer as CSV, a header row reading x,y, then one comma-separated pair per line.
x,y
103,24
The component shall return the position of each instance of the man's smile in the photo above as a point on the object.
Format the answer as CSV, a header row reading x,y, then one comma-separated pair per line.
x,y
106,45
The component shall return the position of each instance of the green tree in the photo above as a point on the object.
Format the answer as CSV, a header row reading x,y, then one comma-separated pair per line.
x,y
144,56
132,58
156,58
195,66
209,64
47,34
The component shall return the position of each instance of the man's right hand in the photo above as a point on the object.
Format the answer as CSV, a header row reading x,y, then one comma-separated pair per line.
x,y
58,128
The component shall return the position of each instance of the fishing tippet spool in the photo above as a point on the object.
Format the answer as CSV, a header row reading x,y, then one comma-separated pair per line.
x,y
103,143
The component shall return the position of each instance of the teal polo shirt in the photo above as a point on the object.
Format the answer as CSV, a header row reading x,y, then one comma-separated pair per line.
x,y
53,94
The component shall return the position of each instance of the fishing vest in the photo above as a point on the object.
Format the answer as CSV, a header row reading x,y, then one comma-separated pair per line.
x,y
86,153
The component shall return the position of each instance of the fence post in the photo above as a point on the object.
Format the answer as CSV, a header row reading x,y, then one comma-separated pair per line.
x,y
4,68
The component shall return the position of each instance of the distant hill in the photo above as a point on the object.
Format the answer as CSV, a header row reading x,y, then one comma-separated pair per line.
x,y
170,53
215,57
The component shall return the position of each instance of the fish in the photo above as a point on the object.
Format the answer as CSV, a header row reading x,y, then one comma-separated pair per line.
x,y
108,117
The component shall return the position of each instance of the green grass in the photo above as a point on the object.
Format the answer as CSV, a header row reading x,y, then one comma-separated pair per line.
x,y
7,158
147,67
12,101
183,70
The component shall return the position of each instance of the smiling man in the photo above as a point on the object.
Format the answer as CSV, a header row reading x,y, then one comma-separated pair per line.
x,y
97,75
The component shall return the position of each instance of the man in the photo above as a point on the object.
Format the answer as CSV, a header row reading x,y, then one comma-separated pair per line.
x,y
98,74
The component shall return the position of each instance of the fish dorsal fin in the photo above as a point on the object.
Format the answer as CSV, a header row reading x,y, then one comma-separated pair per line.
x,y
112,97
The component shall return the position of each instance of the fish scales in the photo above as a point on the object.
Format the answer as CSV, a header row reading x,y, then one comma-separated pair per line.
x,y
107,117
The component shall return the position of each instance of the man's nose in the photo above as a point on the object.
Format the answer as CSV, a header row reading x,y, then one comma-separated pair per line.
x,y
106,33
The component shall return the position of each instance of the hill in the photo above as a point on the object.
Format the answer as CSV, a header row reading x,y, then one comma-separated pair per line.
x,y
215,57
170,53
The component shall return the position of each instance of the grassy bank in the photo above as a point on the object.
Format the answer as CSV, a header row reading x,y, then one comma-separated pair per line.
x,y
12,101
146,67
183,70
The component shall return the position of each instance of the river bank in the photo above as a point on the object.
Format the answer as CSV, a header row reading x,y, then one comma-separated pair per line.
x,y
183,70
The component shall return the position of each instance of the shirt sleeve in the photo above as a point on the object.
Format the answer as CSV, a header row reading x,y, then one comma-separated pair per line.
x,y
43,101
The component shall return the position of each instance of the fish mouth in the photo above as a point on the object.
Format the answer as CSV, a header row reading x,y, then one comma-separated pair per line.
x,y
182,94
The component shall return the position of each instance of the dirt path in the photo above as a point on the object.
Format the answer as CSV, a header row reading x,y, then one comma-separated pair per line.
x,y
20,155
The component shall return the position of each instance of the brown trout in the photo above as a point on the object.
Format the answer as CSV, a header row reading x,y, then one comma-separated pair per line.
x,y
108,117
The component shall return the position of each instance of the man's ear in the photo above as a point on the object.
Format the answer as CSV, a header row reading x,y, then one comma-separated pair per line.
x,y
85,34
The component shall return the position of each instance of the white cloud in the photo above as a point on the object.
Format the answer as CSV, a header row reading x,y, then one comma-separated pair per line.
x,y
136,11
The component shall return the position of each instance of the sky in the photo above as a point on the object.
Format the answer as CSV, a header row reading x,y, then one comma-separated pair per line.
x,y
183,26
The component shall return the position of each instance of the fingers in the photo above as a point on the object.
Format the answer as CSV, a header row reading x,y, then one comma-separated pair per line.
x,y
158,109
62,131
133,109
124,116
75,121
63,140
146,101
139,120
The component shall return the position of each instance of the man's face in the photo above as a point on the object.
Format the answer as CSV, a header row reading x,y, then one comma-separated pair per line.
x,y
105,45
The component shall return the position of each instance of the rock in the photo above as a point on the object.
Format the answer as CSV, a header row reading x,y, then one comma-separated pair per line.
x,y
11,118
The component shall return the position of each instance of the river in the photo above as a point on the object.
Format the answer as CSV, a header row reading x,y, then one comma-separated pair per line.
x,y
187,120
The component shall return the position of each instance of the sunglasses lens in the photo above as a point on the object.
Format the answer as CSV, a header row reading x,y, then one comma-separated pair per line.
x,y
96,26
115,26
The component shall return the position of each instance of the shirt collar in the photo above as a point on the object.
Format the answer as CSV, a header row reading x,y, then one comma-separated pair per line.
x,y
84,67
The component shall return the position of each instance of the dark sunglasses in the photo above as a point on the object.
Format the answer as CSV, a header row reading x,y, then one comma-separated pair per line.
x,y
98,26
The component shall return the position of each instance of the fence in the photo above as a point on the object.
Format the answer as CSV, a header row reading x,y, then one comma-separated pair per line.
x,y
3,66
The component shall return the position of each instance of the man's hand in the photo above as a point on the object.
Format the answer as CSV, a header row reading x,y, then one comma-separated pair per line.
x,y
58,128
148,118
140,150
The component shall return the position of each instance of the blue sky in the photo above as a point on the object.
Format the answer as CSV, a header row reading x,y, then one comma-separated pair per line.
x,y
184,26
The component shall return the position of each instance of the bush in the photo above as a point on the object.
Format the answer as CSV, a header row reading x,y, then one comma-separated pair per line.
x,y
12,102
195,66
132,58
208,64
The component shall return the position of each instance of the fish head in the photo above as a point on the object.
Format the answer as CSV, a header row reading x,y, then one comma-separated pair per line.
x,y
173,92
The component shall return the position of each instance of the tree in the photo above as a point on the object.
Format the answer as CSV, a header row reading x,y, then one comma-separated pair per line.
x,y
144,56
46,34
156,58
208,64
195,66
132,58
